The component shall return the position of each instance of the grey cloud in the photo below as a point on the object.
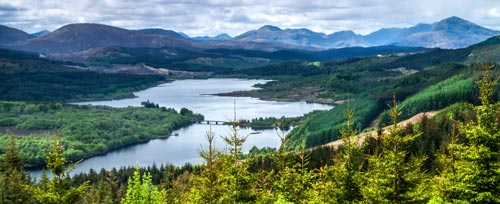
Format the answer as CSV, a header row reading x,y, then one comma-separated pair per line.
x,y
211,17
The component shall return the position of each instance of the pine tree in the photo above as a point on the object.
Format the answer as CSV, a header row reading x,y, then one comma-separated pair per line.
x,y
340,183
58,189
142,191
236,180
479,176
394,176
446,186
13,179
207,187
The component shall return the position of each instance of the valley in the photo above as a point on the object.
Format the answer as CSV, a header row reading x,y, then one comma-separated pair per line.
x,y
308,114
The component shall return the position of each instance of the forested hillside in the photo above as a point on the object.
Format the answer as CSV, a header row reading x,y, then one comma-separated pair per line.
x,y
451,158
26,76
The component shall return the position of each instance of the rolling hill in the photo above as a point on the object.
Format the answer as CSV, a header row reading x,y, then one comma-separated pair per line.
x,y
79,37
11,35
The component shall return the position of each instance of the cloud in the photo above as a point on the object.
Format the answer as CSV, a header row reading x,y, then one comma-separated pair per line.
x,y
211,17
494,12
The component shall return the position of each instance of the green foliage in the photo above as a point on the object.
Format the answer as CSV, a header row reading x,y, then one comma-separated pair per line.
x,y
68,86
142,191
323,127
393,176
476,162
13,181
340,182
58,190
88,130
454,89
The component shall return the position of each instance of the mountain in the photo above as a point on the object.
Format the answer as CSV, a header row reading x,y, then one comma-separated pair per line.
x,y
40,33
296,37
10,35
159,31
452,32
387,36
79,37
220,37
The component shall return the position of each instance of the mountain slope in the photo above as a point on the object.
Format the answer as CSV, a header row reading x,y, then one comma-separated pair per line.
x,y
40,33
78,37
159,31
10,35
451,32
298,37
220,37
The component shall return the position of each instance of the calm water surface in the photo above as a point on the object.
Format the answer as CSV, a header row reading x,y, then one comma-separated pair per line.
x,y
195,95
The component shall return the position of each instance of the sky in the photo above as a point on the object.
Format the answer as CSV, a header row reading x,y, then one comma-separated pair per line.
x,y
212,17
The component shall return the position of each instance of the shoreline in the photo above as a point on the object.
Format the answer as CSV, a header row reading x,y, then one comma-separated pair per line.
x,y
260,94
42,166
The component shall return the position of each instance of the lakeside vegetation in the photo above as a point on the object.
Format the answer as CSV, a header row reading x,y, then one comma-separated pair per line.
x,y
87,130
452,158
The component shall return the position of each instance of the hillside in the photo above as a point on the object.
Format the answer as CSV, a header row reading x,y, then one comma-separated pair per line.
x,y
27,77
79,37
10,35
452,32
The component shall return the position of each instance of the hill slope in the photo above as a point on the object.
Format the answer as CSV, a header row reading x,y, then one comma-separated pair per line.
x,y
78,37
10,35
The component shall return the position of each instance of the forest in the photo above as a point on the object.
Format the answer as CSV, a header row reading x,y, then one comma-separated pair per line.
x,y
87,130
453,157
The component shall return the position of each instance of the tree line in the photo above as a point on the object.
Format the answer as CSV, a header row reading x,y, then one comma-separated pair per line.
x,y
392,167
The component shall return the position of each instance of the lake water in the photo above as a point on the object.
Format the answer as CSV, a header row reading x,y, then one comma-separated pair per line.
x,y
195,95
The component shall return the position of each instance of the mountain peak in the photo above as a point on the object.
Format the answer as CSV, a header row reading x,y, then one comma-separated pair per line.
x,y
223,36
40,33
270,27
453,21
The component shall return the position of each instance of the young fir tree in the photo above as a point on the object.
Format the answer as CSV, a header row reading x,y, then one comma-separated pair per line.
x,y
99,193
479,174
206,188
14,183
142,191
295,181
265,186
393,176
341,182
446,186
58,189
235,178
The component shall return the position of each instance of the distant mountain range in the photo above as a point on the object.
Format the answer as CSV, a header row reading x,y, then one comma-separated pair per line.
x,y
40,33
451,32
220,37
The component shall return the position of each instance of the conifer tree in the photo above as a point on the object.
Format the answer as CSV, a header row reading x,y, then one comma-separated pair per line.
x,y
236,179
446,186
340,183
13,179
295,180
394,176
58,190
479,174
141,190
206,190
